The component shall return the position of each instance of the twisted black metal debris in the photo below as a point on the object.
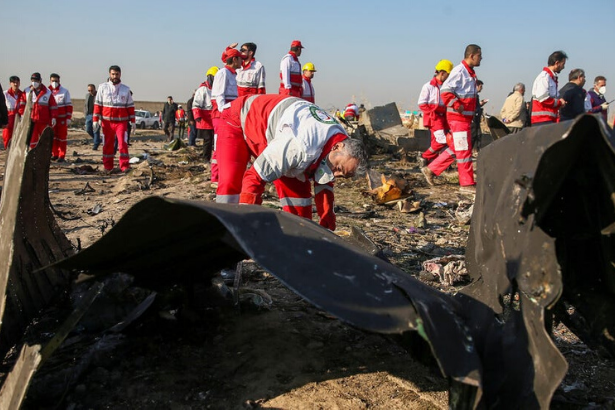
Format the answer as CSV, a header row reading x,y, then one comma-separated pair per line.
x,y
542,230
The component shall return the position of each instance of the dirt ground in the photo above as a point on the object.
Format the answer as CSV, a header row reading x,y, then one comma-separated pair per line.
x,y
289,355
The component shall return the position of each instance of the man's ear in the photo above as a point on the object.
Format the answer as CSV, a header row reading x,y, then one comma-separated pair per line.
x,y
338,146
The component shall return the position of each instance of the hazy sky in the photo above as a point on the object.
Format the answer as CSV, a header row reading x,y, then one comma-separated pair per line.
x,y
371,52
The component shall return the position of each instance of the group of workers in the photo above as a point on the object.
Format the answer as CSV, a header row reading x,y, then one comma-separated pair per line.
x,y
449,102
290,140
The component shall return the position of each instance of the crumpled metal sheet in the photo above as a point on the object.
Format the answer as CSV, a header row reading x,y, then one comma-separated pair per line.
x,y
30,237
489,340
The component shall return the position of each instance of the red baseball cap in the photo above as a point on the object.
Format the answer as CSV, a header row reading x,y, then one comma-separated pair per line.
x,y
296,43
230,52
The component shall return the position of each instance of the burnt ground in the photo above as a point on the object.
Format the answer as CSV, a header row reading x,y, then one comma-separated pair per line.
x,y
192,349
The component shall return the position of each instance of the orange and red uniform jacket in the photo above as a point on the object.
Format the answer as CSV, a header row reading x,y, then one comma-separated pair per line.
x,y
433,108
44,106
202,106
251,78
308,90
291,79
65,105
460,89
114,103
15,104
545,99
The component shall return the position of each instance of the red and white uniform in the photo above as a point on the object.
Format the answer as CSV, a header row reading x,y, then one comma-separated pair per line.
x,y
459,90
15,104
545,97
114,107
44,108
65,113
202,106
291,78
308,90
251,78
290,138
223,91
434,117
180,115
351,112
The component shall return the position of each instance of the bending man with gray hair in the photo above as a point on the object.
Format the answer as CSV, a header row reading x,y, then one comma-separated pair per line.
x,y
514,113
293,142
574,95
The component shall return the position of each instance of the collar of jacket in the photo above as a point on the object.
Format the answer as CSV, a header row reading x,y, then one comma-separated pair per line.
x,y
232,70
435,82
551,73
325,151
470,69
309,80
247,63
293,55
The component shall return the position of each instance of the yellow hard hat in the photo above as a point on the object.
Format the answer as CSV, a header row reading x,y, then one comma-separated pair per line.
x,y
309,67
444,65
212,71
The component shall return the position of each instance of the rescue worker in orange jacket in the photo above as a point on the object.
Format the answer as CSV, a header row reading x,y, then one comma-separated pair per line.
x,y
307,93
290,71
251,74
180,117
15,104
65,115
434,111
202,106
114,108
44,108
545,96
293,141
459,94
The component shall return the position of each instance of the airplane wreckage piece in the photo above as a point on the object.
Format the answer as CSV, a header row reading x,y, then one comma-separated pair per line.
x,y
30,238
542,229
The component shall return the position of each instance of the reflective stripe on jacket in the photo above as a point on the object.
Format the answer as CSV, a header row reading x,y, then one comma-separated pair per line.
x,y
459,89
114,103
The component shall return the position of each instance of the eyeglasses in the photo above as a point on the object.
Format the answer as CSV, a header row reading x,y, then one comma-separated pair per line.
x,y
244,50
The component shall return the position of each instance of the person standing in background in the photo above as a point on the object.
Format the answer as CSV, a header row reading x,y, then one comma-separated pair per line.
x,y
88,110
307,88
180,116
251,74
168,116
574,95
191,124
114,108
15,103
290,71
65,115
545,97
513,111
44,108
202,111
595,100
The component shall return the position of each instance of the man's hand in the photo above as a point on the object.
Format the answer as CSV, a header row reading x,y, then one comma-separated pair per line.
x,y
459,109
605,106
95,126
53,122
562,102
68,122
233,45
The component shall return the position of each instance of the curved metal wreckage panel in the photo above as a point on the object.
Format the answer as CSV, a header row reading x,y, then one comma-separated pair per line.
x,y
489,340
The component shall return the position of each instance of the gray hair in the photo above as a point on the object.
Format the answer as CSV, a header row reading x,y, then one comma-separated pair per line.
x,y
576,73
519,87
356,149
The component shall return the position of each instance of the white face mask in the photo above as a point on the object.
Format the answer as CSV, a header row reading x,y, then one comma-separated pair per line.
x,y
35,84
55,84
602,90
323,174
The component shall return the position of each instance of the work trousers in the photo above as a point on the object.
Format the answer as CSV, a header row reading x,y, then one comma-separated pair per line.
x,y
7,133
192,134
214,156
37,131
60,134
169,129
111,132
181,129
90,130
462,142
437,144
233,157
208,142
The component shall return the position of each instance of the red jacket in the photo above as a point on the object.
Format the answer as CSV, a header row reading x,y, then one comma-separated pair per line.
x,y
434,110
44,106
114,103
291,79
15,104
251,78
65,105
545,101
202,106
459,89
